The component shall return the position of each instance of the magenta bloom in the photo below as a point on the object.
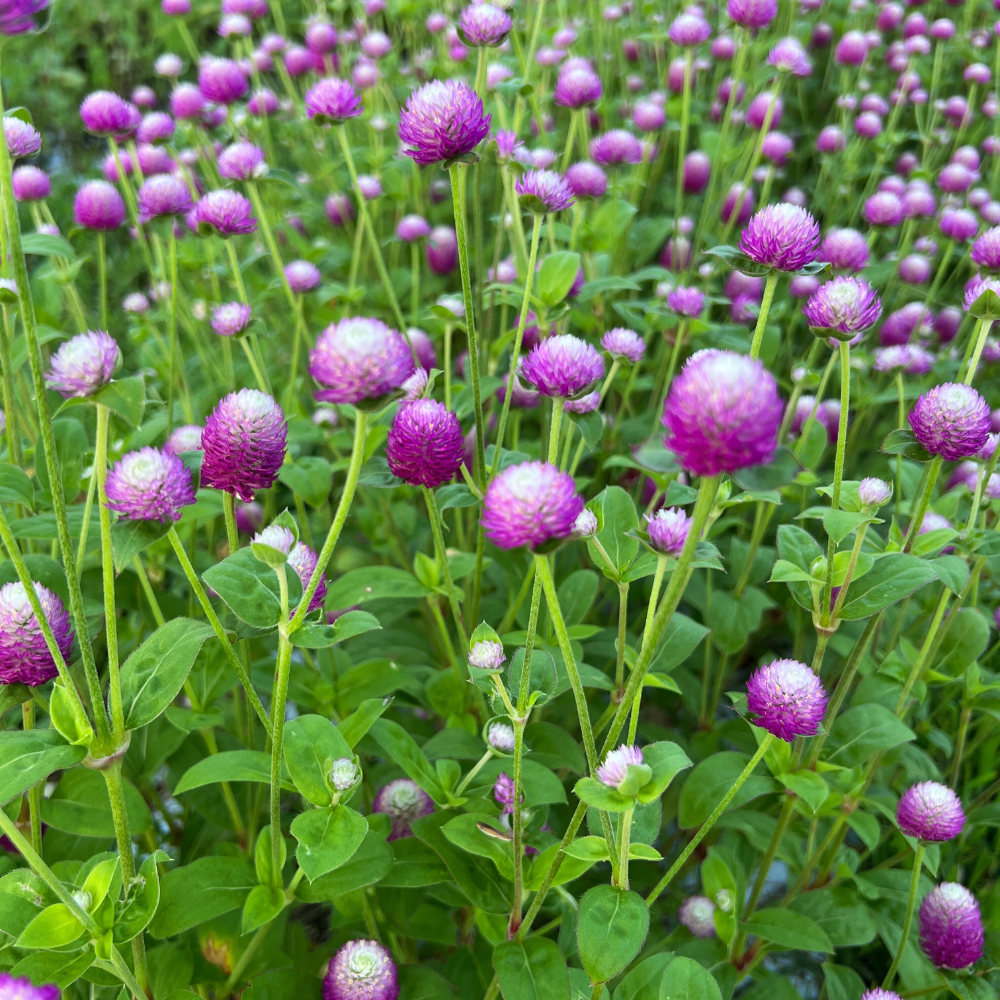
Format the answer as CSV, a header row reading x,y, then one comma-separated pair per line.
x,y
425,445
150,485
847,305
985,251
951,928
563,366
332,101
624,345
788,56
781,236
686,301
31,184
577,86
302,276
402,801
184,438
412,228
614,770
241,161
442,250
227,212
107,114
543,191
222,81
485,25
787,698
877,993
587,180
361,970
528,504
163,195
722,413
695,914
883,209
98,206
84,364
17,17
844,250
24,657
22,139
441,121
689,29
930,811
244,444
303,560
753,14
667,530
155,127
951,420
186,102
615,147
230,319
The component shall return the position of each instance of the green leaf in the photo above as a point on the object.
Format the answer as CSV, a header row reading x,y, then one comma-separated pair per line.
x,y
327,838
466,833
840,523
455,495
230,765
250,588
370,863
357,724
643,980
685,979
81,805
842,983
284,984
141,903
155,673
348,625
129,538
611,928
952,571
124,397
598,795
311,476
556,276
710,780
71,447
808,786
372,583
531,970
616,517
865,730
732,621
46,245
845,919
780,471
904,442
31,756
62,969
892,578
416,865
788,929
263,904
402,748
680,639
311,744
199,891
417,982
665,760
971,987
15,486
54,927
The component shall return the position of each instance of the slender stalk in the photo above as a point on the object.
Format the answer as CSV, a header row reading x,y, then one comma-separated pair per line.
x,y
172,384
623,847
278,728
442,557
911,902
35,792
102,277
88,506
765,308
683,139
976,344
917,517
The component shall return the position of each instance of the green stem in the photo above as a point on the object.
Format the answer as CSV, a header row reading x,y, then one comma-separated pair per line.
x,y
35,792
102,277
88,506
557,412
917,518
277,733
925,650
765,308
976,344
682,143
442,557
911,903
172,384
623,847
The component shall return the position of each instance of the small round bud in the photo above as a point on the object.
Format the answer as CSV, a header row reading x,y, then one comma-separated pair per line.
x,y
667,530
501,737
344,774
586,524
874,492
487,655
614,770
695,914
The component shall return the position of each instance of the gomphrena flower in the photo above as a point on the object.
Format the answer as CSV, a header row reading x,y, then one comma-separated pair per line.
x,y
500,737
686,301
84,364
722,413
227,212
361,970
624,345
787,698
930,811
24,657
150,484
781,236
483,24
614,770
543,191
877,993
562,366
425,445
585,525
23,139
752,14
359,358
615,147
230,319
487,655
985,251
303,559
951,420
107,114
244,444
529,504
163,195
11,988
31,184
587,180
412,228
846,305
442,120
503,792
98,206
577,86
17,17
222,81
184,438
667,530
332,101
844,250
696,914
277,537
874,492
302,276
402,801
951,928
788,56
241,161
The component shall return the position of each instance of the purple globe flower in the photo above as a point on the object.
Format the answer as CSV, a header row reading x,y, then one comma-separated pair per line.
x,y
577,86
107,114
412,228
615,147
501,737
845,305
155,127
686,301
543,191
441,121
333,101
22,138
696,914
976,287
31,184
302,276
241,161
985,251
230,319
787,698
425,446
529,504
487,655
174,8
17,17
135,303
303,559
877,993
614,770
338,209
788,56
484,25
98,206
361,970
244,444
149,485
563,366
163,195
722,413
667,530
587,180
359,358
225,211
624,345
222,81
424,348
24,657
883,209
951,928
844,250
752,14
689,29
781,236
184,438
503,792
84,364
930,811
873,492
442,250
403,801
958,224
186,102
951,420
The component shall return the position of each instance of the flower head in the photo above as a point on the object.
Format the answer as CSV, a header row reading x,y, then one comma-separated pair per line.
x,y
722,413
562,366
17,17
844,250
667,530
244,444
951,928
155,127
978,286
883,209
31,184
303,559
24,656
105,113
985,251
787,698
402,801
951,420
344,774
543,191
689,29
277,537
98,206
222,81
302,276
503,792
874,492
846,305
577,86
230,319
443,120
84,364
614,770
501,737
11,988
487,655
359,358
150,485
877,993
930,811
587,180
184,438
686,301
227,212
361,970
241,161
624,345
483,24
695,914
333,101
753,14
781,236
162,195
412,227
186,102
529,504
788,56
135,303
586,524
615,147
425,445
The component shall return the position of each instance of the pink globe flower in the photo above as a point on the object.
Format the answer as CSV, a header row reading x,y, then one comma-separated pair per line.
x,y
787,698
782,236
441,121
951,420
149,485
951,928
425,446
930,811
361,970
359,358
529,504
24,655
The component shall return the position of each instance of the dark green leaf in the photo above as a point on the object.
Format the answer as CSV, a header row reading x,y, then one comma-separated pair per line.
x,y
788,929
30,756
781,470
124,397
310,476
81,805
556,276
904,442
199,891
711,779
370,583
15,486
371,862
230,765
865,730
611,929
46,245
250,588
401,747
129,538
685,979
892,578
531,970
